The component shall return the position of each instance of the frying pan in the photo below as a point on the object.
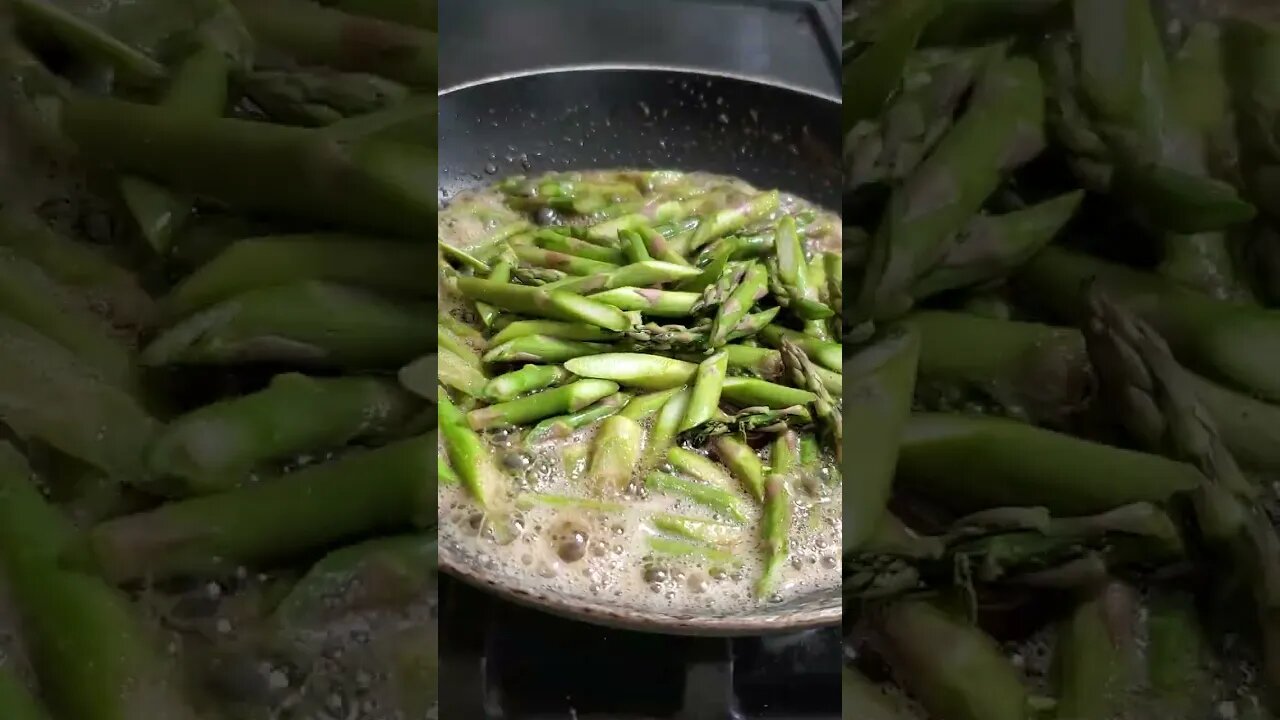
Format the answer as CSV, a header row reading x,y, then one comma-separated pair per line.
x,y
580,118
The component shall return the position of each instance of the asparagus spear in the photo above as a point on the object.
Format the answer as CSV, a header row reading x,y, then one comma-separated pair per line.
x,y
83,37
1029,371
94,659
554,241
615,453
827,354
870,79
29,296
464,333
974,463
50,394
1001,129
649,372
77,267
990,247
541,349
528,500
455,372
373,185
805,373
684,550
218,445
707,386
527,379
642,406
552,304
738,304
1205,262
1251,54
820,291
730,219
445,474
1161,410
887,149
468,453
1097,655
1246,425
1177,656
755,361
16,702
717,500
648,301
700,468
255,263
540,405
736,247
564,425
655,247
447,339
952,668
743,462
665,426
878,406
775,526
744,391
1160,164
799,296
1066,117
641,274
552,328
716,282
501,272
35,534
388,489
462,259
709,532
572,264
198,88
311,323
324,36
318,97
863,700
1223,340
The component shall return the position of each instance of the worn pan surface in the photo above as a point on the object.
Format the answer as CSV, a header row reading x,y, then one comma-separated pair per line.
x,y
609,117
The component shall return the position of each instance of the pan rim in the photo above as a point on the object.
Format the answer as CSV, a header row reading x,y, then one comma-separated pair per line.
x,y
684,69
600,613
762,621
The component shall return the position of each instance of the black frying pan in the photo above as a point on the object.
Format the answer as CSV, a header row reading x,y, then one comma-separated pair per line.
x,y
610,117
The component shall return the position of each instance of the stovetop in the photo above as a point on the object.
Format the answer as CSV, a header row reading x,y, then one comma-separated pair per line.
x,y
501,661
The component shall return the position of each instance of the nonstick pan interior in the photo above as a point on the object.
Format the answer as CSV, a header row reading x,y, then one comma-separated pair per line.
x,y
583,118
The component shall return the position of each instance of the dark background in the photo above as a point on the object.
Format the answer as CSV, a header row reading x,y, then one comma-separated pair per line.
x,y
790,42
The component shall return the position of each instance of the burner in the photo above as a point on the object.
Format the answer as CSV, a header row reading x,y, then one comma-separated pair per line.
x,y
501,661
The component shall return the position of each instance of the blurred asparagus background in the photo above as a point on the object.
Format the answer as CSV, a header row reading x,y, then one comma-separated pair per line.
x,y
1059,497
216,495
